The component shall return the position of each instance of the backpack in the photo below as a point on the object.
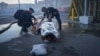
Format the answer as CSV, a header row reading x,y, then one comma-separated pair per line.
x,y
18,13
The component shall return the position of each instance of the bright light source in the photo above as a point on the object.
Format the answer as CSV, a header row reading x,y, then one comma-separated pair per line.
x,y
16,1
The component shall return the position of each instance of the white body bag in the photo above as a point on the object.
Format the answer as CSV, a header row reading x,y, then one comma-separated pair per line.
x,y
49,27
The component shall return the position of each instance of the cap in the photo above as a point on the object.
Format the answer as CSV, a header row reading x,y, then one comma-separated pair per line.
x,y
31,9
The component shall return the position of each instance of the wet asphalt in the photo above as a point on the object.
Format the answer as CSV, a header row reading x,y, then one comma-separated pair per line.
x,y
72,42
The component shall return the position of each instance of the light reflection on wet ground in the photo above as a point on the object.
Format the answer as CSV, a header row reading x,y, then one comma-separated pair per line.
x,y
72,42
12,32
3,26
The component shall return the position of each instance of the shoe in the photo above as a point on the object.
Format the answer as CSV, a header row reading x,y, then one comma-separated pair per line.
x,y
23,33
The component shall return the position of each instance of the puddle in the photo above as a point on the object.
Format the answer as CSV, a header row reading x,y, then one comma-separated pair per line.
x,y
14,30
11,33
3,26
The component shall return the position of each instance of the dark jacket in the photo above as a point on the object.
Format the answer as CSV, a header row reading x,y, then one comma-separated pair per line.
x,y
52,11
25,18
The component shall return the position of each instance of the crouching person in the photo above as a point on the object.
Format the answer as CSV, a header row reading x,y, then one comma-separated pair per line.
x,y
49,32
25,20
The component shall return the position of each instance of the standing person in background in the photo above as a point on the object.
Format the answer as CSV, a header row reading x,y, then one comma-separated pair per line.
x,y
50,12
25,20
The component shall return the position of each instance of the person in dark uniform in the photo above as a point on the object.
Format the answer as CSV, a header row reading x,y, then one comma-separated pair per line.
x,y
51,12
25,20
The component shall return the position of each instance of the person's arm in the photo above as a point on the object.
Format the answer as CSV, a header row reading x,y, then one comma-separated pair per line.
x,y
50,16
34,18
50,13
43,17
